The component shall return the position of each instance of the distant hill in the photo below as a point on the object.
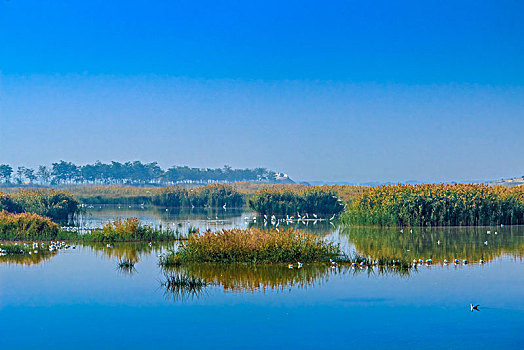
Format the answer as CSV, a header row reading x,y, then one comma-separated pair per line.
x,y
516,181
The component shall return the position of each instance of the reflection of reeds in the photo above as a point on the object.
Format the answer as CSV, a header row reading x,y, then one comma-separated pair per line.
x,y
21,255
237,277
278,277
126,266
438,244
132,251
181,286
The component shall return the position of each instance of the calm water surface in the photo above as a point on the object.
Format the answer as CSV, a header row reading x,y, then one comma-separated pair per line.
x,y
80,299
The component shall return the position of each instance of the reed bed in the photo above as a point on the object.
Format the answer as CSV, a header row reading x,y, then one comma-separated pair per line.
x,y
213,195
437,205
253,246
57,205
128,230
27,226
309,200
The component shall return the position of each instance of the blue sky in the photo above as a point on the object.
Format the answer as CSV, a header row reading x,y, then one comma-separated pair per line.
x,y
345,91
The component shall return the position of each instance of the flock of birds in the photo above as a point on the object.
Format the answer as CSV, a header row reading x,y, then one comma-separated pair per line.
x,y
53,246
274,221
56,246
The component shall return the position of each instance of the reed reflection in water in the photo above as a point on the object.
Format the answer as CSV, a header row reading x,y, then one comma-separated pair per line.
x,y
190,280
26,259
439,244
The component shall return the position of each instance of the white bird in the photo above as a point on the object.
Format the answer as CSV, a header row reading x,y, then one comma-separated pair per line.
x,y
476,307
486,243
315,216
438,242
402,231
488,232
299,264
224,206
331,219
290,266
481,261
465,261
445,261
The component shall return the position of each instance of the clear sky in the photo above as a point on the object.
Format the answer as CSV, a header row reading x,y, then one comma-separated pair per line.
x,y
337,90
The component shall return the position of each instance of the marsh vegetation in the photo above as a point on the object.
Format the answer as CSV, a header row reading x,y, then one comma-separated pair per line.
x,y
437,205
60,206
309,200
253,246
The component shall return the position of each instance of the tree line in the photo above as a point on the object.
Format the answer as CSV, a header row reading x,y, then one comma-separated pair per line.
x,y
128,173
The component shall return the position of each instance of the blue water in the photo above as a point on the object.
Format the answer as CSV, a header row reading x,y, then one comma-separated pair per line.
x,y
79,299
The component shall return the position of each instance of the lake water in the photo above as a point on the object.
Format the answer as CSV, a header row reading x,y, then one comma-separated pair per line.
x,y
80,299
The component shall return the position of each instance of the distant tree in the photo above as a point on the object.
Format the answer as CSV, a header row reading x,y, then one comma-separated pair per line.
x,y
30,174
43,174
64,172
5,172
19,175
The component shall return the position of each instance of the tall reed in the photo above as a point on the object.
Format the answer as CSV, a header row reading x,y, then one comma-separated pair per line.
x,y
253,246
310,200
437,205
27,226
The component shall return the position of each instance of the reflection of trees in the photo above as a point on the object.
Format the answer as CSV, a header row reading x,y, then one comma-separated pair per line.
x,y
26,259
455,242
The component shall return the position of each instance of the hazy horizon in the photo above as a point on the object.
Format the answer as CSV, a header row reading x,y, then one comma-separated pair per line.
x,y
345,92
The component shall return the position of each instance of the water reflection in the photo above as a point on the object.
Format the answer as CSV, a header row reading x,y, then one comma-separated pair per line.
x,y
183,219
26,259
438,244
129,251
314,227
180,286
